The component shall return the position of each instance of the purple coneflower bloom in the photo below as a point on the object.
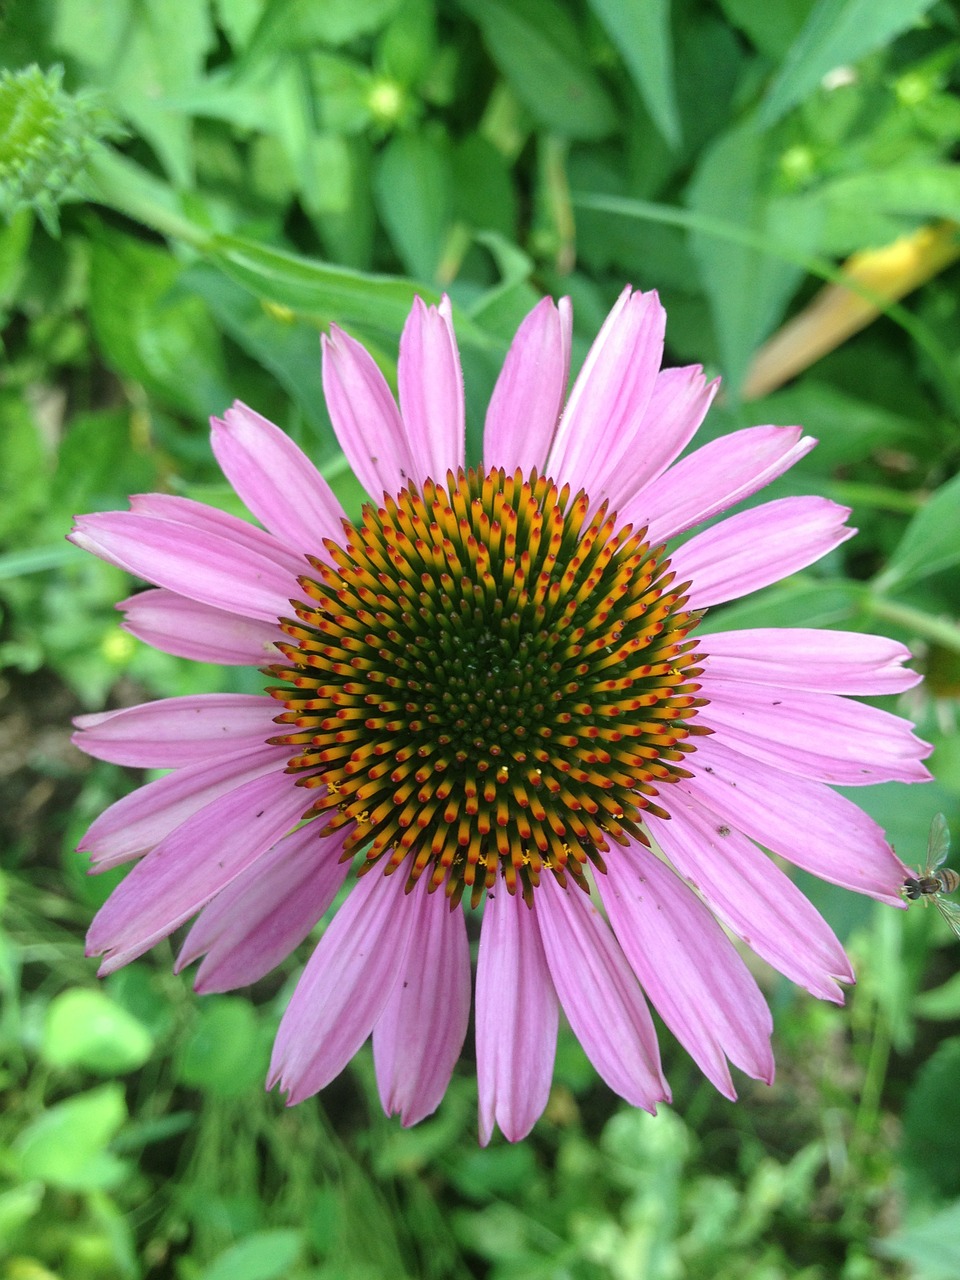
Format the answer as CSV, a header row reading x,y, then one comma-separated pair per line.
x,y
491,687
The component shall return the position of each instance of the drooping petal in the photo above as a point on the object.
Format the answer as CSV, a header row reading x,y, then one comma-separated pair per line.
x,y
517,1016
174,732
805,822
815,735
715,477
275,479
197,860
600,994
208,567
255,922
418,1036
172,623
134,824
802,658
606,408
527,400
365,416
431,391
752,896
345,986
688,967
754,548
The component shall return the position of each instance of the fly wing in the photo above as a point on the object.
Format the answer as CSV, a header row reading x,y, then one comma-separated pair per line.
x,y
950,912
938,842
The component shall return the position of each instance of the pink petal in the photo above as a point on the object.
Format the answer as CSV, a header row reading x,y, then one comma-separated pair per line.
x,y
255,922
679,403
688,967
345,986
752,896
184,871
715,477
600,995
172,623
833,839
207,567
754,548
178,731
527,400
275,479
602,420
802,658
365,416
131,826
516,1020
418,1037
431,391
815,735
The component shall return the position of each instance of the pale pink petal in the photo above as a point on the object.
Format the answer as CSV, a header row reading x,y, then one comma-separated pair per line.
x,y
754,548
600,994
601,423
431,391
200,858
713,478
752,896
275,479
418,1037
805,822
207,567
345,986
516,1020
802,658
172,623
679,403
255,922
527,400
365,416
178,731
688,967
131,826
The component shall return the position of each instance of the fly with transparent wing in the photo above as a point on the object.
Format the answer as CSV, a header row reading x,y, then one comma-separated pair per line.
x,y
933,879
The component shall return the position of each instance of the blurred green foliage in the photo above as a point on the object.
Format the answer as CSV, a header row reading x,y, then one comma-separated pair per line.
x,y
192,190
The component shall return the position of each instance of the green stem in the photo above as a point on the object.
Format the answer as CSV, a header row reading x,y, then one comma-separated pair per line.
x,y
925,625
119,183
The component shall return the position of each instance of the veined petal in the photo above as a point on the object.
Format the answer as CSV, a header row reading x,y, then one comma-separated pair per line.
x,y
174,624
832,839
207,567
600,994
174,732
752,896
688,967
527,400
345,986
267,911
715,477
802,658
754,548
517,1015
201,857
276,480
134,824
365,416
431,391
418,1036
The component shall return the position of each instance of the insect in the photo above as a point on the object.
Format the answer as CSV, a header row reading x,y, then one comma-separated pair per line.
x,y
933,879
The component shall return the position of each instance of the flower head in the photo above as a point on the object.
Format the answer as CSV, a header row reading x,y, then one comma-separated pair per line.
x,y
491,690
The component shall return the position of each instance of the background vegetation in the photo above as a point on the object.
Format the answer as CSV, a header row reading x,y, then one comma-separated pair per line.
x,y
190,198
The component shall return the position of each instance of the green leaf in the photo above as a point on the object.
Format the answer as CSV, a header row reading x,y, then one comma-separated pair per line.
x,y
87,1029
262,1256
930,544
864,210
641,31
931,1249
771,27
931,1120
413,190
291,24
66,1145
837,33
227,1054
539,50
